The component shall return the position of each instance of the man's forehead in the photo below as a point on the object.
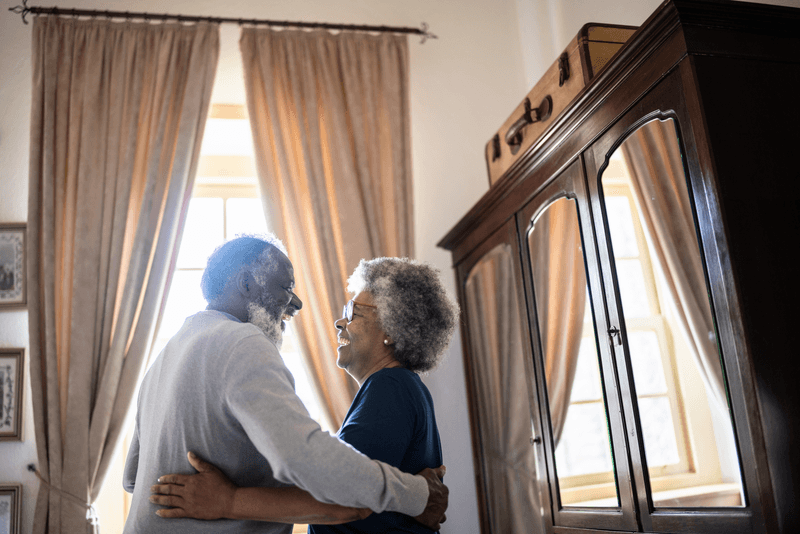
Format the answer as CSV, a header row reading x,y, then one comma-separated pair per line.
x,y
284,262
282,265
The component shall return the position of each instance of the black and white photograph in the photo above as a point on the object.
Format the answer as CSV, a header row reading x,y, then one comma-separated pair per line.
x,y
11,368
12,265
10,501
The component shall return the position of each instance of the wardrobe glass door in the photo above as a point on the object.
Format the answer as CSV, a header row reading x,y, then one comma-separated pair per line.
x,y
684,451
498,378
576,382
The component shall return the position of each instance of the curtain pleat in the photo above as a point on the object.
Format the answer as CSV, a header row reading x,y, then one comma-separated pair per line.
x,y
116,124
559,278
659,184
330,121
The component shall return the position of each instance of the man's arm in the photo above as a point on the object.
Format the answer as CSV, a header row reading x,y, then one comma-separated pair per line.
x,y
260,395
209,494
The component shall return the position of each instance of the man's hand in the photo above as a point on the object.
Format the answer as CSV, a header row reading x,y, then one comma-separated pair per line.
x,y
206,495
438,493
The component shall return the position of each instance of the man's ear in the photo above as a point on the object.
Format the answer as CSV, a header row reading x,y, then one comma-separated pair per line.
x,y
245,283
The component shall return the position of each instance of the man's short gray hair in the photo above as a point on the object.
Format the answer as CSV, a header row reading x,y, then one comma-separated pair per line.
x,y
413,308
255,252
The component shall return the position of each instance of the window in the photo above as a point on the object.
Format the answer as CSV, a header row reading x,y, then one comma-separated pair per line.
x,y
684,436
652,355
225,202
681,436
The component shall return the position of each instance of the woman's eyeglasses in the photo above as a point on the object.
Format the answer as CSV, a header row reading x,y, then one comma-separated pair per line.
x,y
347,312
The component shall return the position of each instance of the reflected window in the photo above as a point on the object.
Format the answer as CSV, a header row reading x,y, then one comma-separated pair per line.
x,y
686,427
660,405
578,418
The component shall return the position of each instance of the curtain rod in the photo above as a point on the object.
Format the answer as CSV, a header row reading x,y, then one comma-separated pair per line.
x,y
24,10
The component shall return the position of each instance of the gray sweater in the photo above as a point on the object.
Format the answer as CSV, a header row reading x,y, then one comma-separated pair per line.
x,y
221,389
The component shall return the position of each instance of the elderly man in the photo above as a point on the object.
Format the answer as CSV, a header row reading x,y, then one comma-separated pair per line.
x,y
220,388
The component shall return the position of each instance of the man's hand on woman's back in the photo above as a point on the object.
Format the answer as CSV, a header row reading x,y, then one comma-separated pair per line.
x,y
438,494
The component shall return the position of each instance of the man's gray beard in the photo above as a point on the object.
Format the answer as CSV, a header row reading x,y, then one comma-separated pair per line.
x,y
267,318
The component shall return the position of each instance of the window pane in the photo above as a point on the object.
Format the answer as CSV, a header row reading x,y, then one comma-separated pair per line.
x,y
620,226
632,288
585,445
659,435
202,233
185,299
245,216
231,137
587,375
646,359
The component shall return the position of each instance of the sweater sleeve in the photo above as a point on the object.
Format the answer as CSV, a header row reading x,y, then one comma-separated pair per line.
x,y
259,392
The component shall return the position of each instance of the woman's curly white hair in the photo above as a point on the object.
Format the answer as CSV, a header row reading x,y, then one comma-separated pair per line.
x,y
413,308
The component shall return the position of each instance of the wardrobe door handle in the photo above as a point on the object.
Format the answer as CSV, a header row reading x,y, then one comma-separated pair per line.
x,y
614,336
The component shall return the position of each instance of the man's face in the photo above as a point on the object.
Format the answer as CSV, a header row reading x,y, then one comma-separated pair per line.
x,y
275,301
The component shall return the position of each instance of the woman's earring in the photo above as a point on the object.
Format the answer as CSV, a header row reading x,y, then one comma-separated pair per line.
x,y
385,341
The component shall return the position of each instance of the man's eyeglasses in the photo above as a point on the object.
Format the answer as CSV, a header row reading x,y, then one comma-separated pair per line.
x,y
347,312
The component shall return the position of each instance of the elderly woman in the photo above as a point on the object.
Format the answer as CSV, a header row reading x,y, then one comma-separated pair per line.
x,y
397,325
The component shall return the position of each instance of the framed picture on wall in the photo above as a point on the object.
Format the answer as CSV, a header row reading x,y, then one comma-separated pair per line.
x,y
11,368
10,507
13,287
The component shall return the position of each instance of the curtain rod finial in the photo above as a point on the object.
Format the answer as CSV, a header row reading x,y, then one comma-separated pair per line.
x,y
21,10
425,33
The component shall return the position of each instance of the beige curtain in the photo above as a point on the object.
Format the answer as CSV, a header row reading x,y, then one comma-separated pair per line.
x,y
330,121
659,184
500,382
116,123
559,277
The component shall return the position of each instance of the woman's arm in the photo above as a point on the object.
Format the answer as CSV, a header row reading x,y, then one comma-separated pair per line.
x,y
210,495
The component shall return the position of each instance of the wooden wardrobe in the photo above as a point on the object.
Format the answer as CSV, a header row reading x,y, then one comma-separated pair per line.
x,y
629,289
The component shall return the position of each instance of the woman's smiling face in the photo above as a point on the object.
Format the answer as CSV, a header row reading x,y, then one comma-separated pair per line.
x,y
360,340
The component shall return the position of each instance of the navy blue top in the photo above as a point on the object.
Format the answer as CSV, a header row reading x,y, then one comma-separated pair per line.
x,y
391,420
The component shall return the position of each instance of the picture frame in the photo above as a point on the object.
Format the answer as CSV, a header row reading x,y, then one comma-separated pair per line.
x,y
13,276
10,508
11,370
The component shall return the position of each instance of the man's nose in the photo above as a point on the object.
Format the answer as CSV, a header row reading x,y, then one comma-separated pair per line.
x,y
296,302
339,323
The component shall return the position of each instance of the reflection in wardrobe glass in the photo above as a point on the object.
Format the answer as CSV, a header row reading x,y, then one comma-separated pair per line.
x,y
584,463
687,432
499,379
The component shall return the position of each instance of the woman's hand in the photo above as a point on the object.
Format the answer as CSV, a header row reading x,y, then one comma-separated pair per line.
x,y
206,495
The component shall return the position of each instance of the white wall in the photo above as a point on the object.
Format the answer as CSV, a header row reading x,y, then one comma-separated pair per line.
x,y
463,86
15,109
